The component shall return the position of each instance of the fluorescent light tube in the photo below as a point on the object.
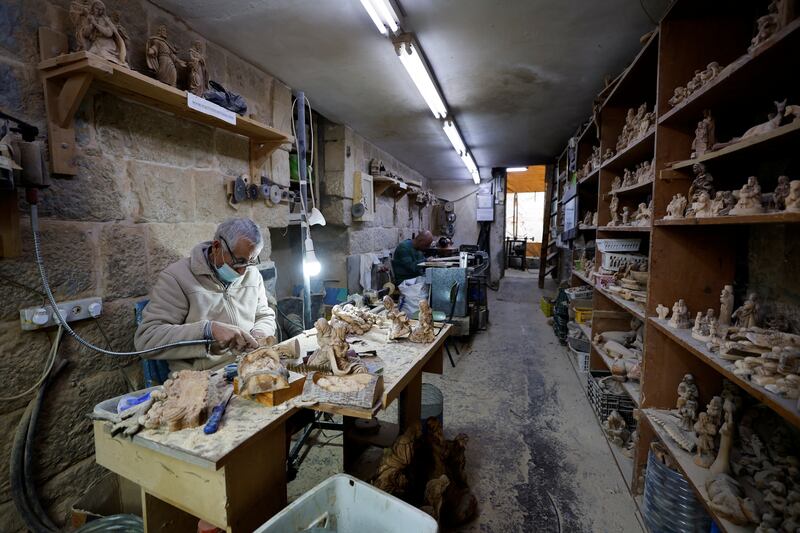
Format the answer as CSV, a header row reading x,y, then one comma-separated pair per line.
x,y
413,64
455,138
376,19
471,167
516,169
386,13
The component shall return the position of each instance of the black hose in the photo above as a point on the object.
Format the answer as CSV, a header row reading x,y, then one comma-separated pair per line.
x,y
30,483
17,475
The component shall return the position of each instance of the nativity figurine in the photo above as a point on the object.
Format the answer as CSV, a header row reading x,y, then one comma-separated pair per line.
x,y
780,193
772,123
616,183
722,203
423,332
643,215
749,199
701,206
261,371
400,327
626,214
662,311
162,58
678,96
676,208
332,353
183,401
680,316
793,199
96,33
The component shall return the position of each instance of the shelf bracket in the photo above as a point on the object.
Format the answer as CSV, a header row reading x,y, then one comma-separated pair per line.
x,y
62,98
259,152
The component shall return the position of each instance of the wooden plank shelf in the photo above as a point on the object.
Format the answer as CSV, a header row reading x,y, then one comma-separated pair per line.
x,y
766,218
637,188
587,228
696,475
625,229
631,387
68,77
636,67
784,135
783,406
639,150
389,186
738,81
634,308
581,276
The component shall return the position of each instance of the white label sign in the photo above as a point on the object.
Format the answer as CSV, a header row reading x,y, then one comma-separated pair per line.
x,y
210,108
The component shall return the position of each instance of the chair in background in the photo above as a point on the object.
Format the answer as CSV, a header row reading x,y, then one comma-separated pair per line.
x,y
449,320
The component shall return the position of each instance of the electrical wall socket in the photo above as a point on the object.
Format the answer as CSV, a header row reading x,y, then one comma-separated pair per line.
x,y
42,316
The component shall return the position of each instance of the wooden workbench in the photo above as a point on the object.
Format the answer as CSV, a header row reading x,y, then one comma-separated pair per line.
x,y
236,478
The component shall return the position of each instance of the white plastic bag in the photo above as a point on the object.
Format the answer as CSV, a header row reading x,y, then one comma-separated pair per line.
x,y
412,291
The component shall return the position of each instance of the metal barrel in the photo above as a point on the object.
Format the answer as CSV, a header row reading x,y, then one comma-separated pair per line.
x,y
670,503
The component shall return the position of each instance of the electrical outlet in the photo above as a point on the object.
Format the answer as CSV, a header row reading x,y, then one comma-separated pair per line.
x,y
42,316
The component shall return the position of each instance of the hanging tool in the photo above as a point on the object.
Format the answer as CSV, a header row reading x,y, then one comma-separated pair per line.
x,y
212,425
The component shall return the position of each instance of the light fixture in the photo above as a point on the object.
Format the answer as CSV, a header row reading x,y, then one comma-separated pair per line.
x,y
516,169
412,61
311,266
316,217
472,167
455,139
382,15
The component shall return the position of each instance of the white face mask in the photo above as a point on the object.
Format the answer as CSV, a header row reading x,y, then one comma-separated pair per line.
x,y
227,274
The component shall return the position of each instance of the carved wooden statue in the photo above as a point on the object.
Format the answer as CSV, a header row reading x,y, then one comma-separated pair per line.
x,y
616,429
198,75
95,32
747,315
722,203
726,306
423,332
162,57
703,182
701,206
706,432
183,402
400,327
391,476
612,208
261,371
780,193
626,214
704,137
749,199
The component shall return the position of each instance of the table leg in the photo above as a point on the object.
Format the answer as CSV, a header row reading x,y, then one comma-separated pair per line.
x,y
159,516
256,481
409,408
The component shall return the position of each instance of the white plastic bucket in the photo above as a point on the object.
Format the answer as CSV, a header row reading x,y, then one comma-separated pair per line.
x,y
352,506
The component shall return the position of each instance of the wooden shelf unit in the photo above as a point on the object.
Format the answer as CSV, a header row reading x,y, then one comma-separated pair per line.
x,y
747,251
68,77
643,187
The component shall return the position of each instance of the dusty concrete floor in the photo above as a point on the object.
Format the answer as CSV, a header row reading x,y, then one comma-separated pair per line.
x,y
536,457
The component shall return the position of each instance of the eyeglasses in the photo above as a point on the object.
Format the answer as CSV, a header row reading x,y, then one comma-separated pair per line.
x,y
238,262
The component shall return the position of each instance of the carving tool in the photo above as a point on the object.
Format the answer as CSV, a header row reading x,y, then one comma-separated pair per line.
x,y
212,425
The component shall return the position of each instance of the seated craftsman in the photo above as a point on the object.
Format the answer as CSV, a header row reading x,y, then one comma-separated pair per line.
x,y
407,257
216,294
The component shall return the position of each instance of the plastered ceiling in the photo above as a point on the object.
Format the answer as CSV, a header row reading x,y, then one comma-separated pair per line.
x,y
519,75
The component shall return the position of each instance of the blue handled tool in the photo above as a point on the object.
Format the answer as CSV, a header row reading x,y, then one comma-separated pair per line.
x,y
212,425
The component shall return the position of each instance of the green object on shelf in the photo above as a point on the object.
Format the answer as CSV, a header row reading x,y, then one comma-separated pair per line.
x,y
294,173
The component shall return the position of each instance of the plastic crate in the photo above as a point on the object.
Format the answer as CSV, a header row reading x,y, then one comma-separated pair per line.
x,y
613,261
350,506
618,245
580,293
603,403
547,306
583,314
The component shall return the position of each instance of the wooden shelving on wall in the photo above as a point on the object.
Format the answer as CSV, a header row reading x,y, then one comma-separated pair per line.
x,y
68,77
693,258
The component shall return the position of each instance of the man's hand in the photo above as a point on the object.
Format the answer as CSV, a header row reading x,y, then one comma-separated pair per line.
x,y
264,341
229,336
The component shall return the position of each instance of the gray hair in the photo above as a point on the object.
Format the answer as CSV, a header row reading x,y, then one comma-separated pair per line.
x,y
234,229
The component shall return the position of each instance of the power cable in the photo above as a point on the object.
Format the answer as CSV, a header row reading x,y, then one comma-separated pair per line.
x,y
51,357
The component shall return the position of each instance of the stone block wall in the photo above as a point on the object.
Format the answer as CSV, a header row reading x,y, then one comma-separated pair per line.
x,y
345,153
149,187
